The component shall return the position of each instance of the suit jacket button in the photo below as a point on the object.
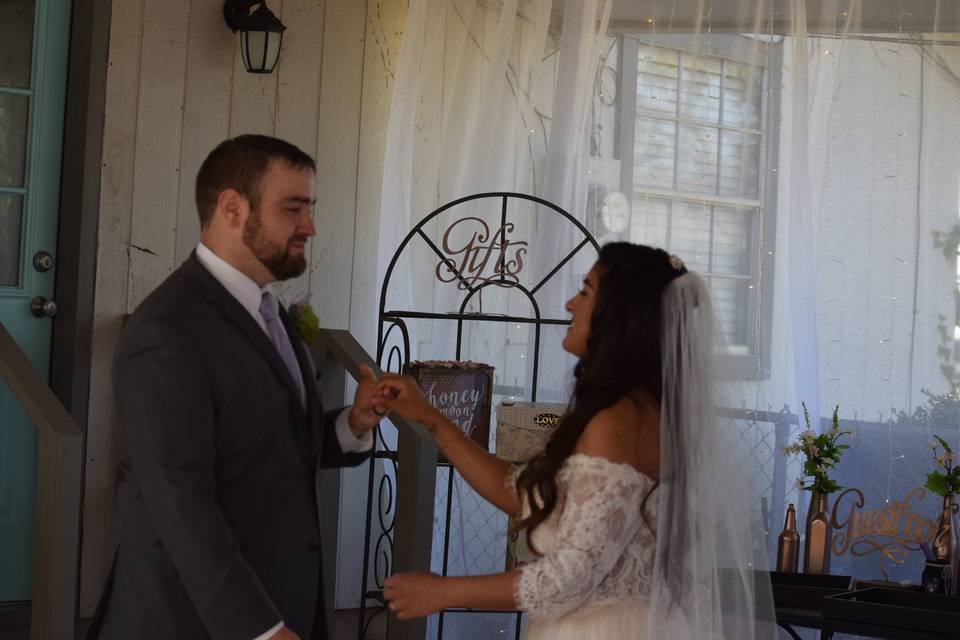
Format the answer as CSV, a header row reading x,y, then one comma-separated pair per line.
x,y
312,547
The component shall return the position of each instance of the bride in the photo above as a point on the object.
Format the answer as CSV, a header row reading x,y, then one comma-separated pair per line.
x,y
634,507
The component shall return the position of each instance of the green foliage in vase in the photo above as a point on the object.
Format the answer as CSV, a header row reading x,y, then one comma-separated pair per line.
x,y
821,453
947,481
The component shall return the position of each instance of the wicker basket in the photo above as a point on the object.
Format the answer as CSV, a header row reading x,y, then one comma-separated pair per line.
x,y
524,427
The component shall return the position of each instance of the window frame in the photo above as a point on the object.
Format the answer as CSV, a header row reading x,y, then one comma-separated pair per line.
x,y
754,365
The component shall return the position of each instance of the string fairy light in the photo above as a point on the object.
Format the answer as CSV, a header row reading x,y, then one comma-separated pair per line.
x,y
837,242
895,263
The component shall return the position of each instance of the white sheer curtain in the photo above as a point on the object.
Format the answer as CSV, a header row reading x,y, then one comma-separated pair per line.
x,y
884,173
802,156
491,96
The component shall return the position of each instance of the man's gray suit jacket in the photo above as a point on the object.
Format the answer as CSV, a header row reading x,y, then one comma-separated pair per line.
x,y
216,527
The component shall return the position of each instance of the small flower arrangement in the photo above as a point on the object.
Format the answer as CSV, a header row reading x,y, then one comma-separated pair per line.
x,y
946,482
305,320
822,453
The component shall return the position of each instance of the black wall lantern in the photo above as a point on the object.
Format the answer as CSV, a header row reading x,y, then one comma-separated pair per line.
x,y
261,33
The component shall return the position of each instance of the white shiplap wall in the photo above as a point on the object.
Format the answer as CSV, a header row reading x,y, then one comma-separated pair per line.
x,y
175,88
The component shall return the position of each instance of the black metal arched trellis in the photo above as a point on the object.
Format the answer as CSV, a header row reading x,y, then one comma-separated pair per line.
x,y
394,357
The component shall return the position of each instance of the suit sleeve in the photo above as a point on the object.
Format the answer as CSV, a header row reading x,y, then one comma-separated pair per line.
x,y
332,454
167,434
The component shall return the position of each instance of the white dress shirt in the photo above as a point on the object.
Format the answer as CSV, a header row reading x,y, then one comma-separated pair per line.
x,y
248,293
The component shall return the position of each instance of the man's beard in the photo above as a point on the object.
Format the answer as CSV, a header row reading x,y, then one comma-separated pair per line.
x,y
277,259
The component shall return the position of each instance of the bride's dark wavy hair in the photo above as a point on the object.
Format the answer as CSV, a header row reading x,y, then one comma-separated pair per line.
x,y
623,356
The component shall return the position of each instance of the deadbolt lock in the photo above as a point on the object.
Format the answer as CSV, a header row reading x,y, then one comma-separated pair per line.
x,y
42,261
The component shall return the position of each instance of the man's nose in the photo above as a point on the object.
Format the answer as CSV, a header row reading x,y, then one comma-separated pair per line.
x,y
307,226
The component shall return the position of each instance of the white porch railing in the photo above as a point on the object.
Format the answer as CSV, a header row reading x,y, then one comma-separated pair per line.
x,y
56,530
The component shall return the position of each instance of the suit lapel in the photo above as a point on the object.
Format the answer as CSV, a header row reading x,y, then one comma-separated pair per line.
x,y
234,313
314,407
240,318
306,372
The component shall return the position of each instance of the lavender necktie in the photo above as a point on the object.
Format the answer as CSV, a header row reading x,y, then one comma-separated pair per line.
x,y
280,339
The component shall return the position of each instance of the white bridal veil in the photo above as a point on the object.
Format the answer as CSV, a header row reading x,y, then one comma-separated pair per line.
x,y
709,574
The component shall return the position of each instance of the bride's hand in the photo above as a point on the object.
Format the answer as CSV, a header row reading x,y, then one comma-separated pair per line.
x,y
403,395
415,594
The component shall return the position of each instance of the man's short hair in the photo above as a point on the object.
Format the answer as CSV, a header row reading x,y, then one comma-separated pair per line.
x,y
240,163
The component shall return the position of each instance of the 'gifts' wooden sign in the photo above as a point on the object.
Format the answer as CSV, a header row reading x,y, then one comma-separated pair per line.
x,y
462,391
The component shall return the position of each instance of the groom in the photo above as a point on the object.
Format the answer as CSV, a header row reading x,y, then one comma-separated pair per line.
x,y
221,430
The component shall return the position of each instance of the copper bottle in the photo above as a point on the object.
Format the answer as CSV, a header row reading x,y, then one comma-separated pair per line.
x,y
953,585
816,549
941,543
788,544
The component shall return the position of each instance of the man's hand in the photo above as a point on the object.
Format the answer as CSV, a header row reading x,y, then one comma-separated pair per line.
x,y
284,634
403,395
415,594
367,409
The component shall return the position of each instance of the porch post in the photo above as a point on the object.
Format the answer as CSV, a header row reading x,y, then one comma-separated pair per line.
x,y
413,537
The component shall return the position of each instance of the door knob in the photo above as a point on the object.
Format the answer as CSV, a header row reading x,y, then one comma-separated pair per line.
x,y
42,261
41,307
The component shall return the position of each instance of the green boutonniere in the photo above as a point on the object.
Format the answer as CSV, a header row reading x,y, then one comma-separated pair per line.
x,y
305,320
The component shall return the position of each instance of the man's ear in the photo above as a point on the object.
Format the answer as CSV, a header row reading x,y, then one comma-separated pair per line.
x,y
233,207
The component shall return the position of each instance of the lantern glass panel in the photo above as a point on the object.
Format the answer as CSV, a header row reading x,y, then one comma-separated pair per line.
x,y
253,45
273,49
244,48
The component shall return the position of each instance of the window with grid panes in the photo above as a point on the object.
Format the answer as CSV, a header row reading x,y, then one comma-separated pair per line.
x,y
698,183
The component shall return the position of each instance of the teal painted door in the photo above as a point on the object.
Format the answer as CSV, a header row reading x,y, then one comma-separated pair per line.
x,y
34,39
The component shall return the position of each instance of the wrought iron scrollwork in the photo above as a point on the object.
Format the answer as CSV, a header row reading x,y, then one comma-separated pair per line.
x,y
396,356
393,352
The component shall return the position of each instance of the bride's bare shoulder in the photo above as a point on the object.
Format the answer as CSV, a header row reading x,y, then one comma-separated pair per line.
x,y
624,433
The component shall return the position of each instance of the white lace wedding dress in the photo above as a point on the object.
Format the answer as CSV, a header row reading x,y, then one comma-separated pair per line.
x,y
593,580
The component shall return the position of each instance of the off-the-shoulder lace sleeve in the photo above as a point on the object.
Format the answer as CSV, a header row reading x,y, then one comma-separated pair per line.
x,y
600,515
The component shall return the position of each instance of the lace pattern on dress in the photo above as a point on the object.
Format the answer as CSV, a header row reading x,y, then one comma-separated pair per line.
x,y
597,547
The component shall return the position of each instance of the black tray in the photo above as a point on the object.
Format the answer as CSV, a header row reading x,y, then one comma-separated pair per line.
x,y
804,591
912,610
